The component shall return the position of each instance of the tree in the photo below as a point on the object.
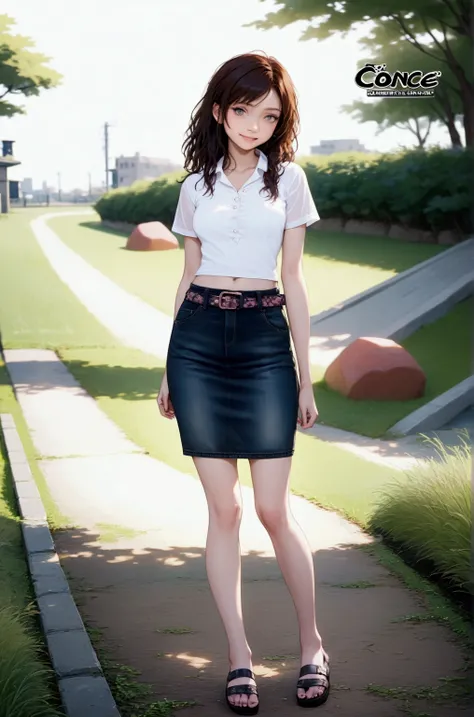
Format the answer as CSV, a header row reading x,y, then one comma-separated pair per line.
x,y
432,27
22,72
388,113
418,113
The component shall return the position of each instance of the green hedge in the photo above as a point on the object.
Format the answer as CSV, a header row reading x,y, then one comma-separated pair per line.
x,y
428,517
428,190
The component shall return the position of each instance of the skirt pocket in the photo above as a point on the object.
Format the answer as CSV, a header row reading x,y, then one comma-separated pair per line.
x,y
186,311
275,318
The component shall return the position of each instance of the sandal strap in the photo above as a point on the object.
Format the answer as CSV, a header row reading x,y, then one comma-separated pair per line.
x,y
315,670
313,682
240,672
242,690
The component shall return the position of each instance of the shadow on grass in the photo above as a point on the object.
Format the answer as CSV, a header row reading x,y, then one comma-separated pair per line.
x,y
151,609
372,251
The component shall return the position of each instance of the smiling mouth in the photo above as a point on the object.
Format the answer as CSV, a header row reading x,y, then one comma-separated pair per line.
x,y
252,139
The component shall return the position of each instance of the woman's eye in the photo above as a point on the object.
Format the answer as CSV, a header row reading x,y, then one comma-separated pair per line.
x,y
273,117
238,109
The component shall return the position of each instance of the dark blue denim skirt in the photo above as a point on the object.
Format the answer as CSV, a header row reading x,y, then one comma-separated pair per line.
x,y
232,380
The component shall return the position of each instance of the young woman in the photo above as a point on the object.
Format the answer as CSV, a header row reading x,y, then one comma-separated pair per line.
x,y
231,379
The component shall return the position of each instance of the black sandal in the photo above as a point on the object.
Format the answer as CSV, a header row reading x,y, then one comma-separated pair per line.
x,y
321,680
241,690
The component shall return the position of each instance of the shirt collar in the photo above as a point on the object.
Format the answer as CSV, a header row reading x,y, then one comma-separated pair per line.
x,y
261,167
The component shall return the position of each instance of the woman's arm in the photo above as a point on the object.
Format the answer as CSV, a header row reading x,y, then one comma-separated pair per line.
x,y
192,262
297,299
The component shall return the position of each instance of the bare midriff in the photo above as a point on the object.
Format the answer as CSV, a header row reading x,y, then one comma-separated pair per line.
x,y
231,283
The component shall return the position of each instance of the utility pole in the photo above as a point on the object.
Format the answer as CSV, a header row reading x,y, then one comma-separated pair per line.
x,y
59,186
106,148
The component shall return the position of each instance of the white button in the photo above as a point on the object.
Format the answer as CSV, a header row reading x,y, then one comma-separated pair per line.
x,y
235,231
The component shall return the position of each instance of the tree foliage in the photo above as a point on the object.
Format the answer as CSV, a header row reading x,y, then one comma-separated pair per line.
x,y
415,114
22,71
438,29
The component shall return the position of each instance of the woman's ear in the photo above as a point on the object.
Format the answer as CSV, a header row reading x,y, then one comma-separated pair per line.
x,y
216,112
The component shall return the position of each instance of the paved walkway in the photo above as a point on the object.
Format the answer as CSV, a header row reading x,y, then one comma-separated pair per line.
x,y
147,589
137,324
384,309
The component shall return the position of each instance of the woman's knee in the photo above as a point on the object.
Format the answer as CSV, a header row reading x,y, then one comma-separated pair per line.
x,y
273,517
220,481
226,515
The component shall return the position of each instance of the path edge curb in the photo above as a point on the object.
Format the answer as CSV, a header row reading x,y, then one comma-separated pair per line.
x,y
79,676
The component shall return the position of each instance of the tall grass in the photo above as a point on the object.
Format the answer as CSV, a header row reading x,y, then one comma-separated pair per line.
x,y
27,686
430,515
23,677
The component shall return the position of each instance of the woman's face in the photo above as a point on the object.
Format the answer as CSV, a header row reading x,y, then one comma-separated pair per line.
x,y
250,125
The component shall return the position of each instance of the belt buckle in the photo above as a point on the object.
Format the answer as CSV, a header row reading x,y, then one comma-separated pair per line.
x,y
229,293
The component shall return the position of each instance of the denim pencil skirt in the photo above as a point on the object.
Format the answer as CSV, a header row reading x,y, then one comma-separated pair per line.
x,y
232,379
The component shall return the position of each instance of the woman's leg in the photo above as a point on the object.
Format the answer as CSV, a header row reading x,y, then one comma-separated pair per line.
x,y
220,481
270,480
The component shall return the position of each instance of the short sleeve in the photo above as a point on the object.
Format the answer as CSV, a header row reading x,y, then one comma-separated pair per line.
x,y
300,207
183,218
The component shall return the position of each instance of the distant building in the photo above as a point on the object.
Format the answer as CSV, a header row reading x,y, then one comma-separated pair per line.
x,y
132,169
331,146
27,185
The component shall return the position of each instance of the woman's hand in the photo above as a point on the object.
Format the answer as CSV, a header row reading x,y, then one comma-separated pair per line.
x,y
163,400
308,413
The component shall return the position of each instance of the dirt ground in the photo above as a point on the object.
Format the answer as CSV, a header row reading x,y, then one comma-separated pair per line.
x,y
134,594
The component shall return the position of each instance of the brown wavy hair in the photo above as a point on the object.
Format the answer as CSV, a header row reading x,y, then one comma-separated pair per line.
x,y
243,78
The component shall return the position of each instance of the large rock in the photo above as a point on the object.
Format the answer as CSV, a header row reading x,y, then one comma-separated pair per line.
x,y
151,236
376,369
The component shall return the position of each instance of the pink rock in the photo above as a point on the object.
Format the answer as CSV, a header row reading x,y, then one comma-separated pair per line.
x,y
151,236
374,369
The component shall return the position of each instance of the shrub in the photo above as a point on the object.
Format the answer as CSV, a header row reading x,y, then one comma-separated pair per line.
x,y
427,190
429,515
419,189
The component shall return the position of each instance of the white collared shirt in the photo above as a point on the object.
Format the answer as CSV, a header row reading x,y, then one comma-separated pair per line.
x,y
241,232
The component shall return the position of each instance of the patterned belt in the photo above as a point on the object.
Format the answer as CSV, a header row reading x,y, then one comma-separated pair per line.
x,y
236,300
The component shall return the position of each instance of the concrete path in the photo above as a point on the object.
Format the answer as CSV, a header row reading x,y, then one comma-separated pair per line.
x,y
132,320
396,307
137,324
146,587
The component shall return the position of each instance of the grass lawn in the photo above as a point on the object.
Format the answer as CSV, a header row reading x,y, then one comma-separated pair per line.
x,y
126,382
443,351
336,267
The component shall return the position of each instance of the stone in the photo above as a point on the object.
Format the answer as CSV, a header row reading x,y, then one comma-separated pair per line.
x,y
355,226
58,612
32,509
374,369
448,237
328,225
49,584
72,653
22,473
27,490
37,538
87,696
7,420
397,231
45,565
151,236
